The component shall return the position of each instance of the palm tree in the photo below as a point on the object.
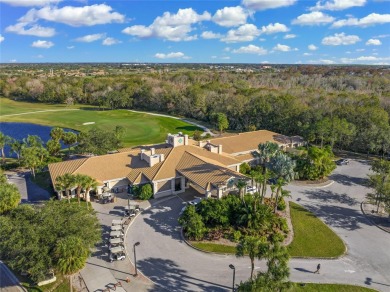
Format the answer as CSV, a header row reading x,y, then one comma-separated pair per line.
x,y
254,247
278,269
241,184
78,180
65,183
4,140
17,147
283,167
88,184
71,254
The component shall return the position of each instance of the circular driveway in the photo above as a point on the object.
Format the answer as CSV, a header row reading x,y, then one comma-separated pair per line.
x,y
173,265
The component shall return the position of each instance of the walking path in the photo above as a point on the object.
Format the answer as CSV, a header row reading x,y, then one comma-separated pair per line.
x,y
42,111
29,191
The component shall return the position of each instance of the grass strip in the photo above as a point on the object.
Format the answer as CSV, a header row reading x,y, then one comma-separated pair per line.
x,y
312,287
212,247
312,237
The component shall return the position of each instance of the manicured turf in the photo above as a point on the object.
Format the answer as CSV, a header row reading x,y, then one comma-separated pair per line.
x,y
312,238
309,287
218,248
140,129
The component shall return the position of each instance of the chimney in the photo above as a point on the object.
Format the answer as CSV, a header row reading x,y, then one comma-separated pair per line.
x,y
220,149
162,157
152,151
142,154
185,139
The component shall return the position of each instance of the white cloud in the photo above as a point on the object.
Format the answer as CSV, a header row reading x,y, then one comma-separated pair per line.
x,y
227,49
75,16
312,47
338,4
307,54
382,36
282,48
225,58
313,18
172,27
360,50
371,19
90,38
267,4
110,41
245,33
13,61
213,57
173,55
340,39
210,35
27,3
373,42
274,28
230,16
42,44
289,36
251,49
365,60
70,47
34,30
39,56
1,38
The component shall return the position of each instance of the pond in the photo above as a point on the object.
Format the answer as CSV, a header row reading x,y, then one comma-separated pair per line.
x,y
22,130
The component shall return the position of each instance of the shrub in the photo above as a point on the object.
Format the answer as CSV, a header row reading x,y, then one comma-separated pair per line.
x,y
197,135
281,204
245,168
145,192
237,235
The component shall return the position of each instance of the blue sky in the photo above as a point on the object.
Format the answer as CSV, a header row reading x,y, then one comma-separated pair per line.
x,y
247,31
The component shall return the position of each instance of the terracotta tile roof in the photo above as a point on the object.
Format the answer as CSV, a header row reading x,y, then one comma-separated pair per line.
x,y
60,168
203,173
245,157
244,142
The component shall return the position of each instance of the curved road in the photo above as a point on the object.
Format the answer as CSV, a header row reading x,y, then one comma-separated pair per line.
x,y
174,266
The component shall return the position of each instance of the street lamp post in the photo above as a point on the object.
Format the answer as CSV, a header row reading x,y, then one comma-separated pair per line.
x,y
234,275
135,258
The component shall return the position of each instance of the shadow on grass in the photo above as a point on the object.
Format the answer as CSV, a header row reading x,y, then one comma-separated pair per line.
x,y
189,128
167,274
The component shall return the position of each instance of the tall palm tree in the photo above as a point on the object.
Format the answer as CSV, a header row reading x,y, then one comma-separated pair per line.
x,y
71,254
89,184
4,140
255,247
284,169
278,269
78,180
17,147
241,184
65,183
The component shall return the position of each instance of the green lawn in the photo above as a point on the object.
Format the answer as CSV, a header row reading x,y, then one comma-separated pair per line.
x,y
310,287
312,238
212,247
140,129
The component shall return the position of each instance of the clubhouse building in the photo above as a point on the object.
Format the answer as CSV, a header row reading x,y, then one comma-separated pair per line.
x,y
210,167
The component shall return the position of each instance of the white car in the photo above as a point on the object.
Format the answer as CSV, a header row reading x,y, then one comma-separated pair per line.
x,y
195,201
251,190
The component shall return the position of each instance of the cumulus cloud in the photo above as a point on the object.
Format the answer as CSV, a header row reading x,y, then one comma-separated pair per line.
x,y
70,47
1,38
340,39
274,28
42,44
312,47
230,16
245,33
75,16
289,36
24,28
313,18
282,48
266,4
110,41
172,27
373,42
371,19
307,54
251,49
338,4
27,3
210,35
90,38
173,55
366,60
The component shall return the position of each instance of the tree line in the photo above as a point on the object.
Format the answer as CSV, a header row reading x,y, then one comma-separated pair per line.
x,y
336,108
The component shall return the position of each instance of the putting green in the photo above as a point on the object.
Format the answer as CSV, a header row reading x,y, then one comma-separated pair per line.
x,y
140,128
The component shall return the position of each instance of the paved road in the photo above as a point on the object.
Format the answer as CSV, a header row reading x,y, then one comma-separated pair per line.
x,y
8,281
29,191
174,266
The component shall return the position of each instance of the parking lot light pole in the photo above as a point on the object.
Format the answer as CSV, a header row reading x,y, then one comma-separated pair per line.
x,y
135,258
234,275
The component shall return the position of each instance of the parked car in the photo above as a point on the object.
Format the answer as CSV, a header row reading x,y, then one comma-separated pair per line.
x,y
195,201
342,162
117,254
251,190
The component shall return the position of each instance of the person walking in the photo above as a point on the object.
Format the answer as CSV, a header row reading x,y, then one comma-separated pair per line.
x,y
318,269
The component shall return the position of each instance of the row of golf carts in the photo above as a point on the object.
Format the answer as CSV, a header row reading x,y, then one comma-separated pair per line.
x,y
116,243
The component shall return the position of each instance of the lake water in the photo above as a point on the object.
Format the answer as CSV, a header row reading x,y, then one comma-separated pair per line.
x,y
22,130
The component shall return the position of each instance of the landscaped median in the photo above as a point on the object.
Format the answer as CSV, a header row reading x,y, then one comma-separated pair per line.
x,y
313,287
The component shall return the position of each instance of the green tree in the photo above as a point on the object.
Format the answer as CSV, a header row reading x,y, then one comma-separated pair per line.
x,y
4,140
65,183
78,182
315,163
53,147
245,168
145,192
17,147
119,132
380,182
71,254
57,133
241,185
69,139
34,157
221,122
254,247
9,196
192,223
89,184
